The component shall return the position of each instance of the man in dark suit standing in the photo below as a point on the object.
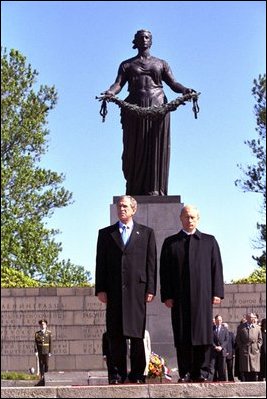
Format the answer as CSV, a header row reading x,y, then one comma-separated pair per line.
x,y
219,350
126,274
191,279
230,355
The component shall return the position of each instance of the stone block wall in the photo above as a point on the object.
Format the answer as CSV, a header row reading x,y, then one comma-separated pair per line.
x,y
239,299
75,317
77,321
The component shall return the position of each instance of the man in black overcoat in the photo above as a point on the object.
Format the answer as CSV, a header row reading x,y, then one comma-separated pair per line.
x,y
126,275
191,279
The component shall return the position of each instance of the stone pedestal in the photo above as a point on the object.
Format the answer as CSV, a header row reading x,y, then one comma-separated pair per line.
x,y
162,213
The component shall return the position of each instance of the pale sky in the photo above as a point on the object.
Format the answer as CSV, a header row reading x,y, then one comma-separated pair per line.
x,y
218,48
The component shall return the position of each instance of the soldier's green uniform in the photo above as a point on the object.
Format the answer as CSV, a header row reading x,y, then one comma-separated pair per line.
x,y
43,346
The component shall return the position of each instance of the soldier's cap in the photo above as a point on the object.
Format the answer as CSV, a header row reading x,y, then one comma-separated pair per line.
x,y
42,321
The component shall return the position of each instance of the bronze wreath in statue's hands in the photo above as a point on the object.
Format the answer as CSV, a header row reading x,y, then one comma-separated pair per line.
x,y
151,112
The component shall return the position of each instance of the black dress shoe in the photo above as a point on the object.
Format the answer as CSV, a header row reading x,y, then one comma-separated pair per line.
x,y
114,382
184,380
116,379
40,383
201,379
136,379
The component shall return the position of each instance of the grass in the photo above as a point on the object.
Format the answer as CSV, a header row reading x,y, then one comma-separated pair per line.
x,y
16,375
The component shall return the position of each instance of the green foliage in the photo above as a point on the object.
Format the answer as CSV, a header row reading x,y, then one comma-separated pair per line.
x,y
29,193
255,175
15,375
11,278
65,274
257,277
255,180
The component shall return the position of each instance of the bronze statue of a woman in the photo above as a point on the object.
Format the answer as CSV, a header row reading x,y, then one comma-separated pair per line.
x,y
146,141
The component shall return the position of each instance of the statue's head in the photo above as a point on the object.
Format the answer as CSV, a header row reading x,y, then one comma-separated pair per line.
x,y
139,34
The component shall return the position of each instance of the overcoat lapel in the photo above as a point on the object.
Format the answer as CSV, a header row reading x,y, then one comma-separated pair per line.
x,y
135,235
116,235
177,249
194,250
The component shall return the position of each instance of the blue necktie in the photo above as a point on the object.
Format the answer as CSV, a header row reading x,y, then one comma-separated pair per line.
x,y
124,235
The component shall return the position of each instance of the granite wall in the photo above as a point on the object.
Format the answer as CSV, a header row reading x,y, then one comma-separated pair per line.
x,y
77,321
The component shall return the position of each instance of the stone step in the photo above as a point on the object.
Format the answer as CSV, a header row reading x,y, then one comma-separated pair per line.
x,y
165,390
76,378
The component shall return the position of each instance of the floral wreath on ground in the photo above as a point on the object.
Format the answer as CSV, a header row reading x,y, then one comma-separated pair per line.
x,y
157,367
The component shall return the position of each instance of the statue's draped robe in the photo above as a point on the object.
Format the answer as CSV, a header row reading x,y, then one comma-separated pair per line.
x,y
146,141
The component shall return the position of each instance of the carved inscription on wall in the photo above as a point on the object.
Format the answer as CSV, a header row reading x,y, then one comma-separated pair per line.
x,y
61,348
27,348
17,333
93,332
100,317
245,300
98,346
12,318
92,303
47,303
8,304
17,348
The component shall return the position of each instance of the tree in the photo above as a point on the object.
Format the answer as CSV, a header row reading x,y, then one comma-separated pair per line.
x,y
11,278
258,276
29,193
255,175
64,274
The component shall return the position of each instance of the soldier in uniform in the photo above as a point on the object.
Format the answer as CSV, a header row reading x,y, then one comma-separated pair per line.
x,y
43,348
